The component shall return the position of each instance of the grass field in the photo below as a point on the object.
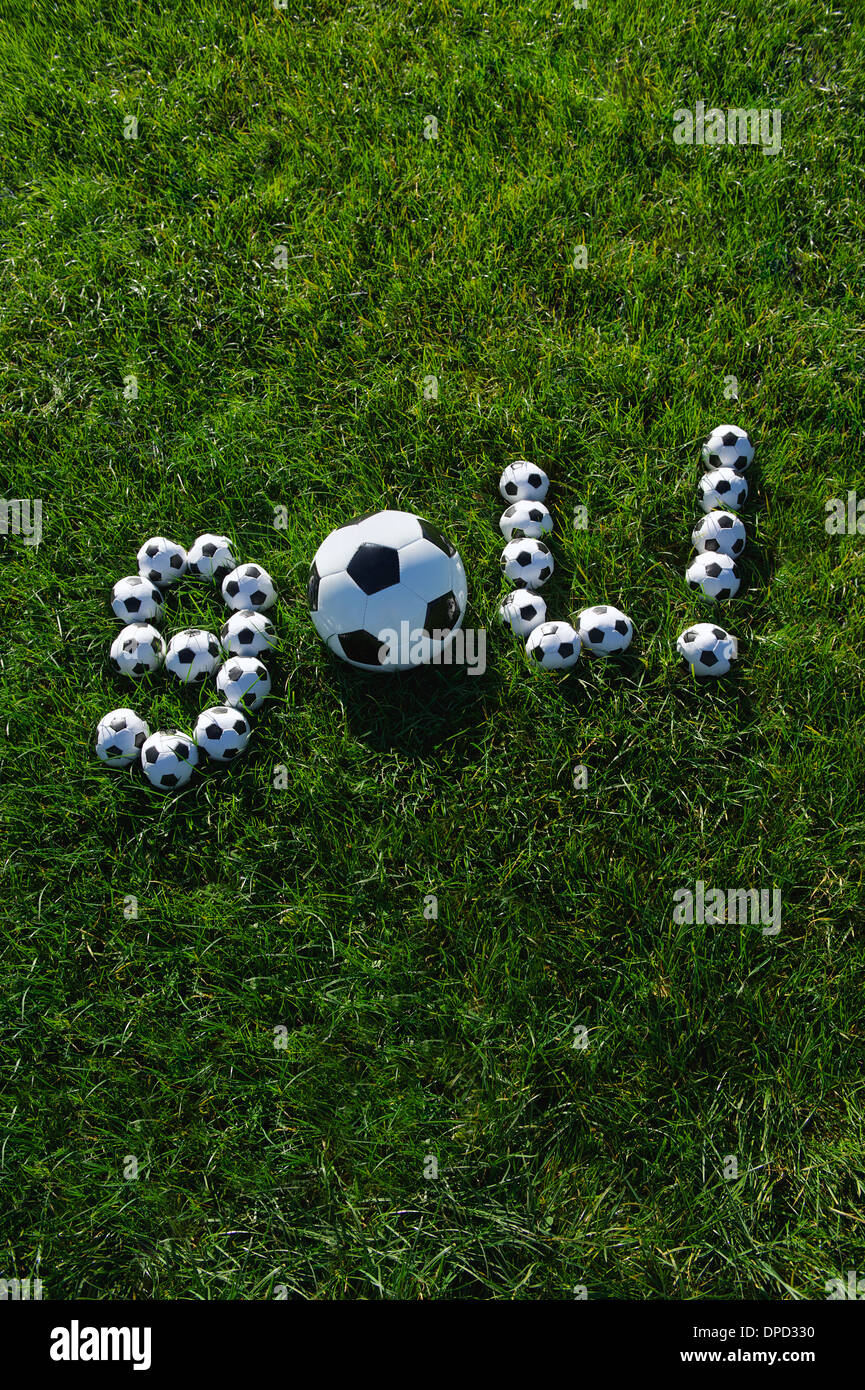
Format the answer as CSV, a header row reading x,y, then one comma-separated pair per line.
x,y
237,306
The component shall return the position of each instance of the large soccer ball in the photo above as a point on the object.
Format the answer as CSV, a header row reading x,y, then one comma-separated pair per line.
x,y
248,633
387,592
604,629
135,599
728,447
168,759
137,649
210,557
553,646
708,649
716,576
222,731
528,564
719,533
724,488
523,482
530,519
243,681
522,611
162,561
249,586
120,736
192,655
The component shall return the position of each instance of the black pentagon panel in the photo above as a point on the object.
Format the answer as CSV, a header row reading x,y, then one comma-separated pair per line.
x,y
722,486
362,647
232,587
524,558
139,668
528,611
213,731
545,572
117,724
151,755
535,515
737,545
252,571
182,750
133,605
186,656
260,671
535,479
431,534
442,615
621,627
168,779
708,659
257,596
374,567
139,739
735,570
175,562
155,576
725,523
230,752
729,439
209,550
595,634
158,597
239,726
511,489
719,633
114,751
723,593
152,550
714,569
566,649
246,635
538,653
235,673
312,588
689,636
712,546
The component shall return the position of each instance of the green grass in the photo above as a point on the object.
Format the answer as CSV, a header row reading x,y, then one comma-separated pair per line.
x,y
303,1169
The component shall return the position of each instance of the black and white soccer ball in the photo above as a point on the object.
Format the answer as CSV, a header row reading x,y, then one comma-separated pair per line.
x,y
222,732
719,533
523,482
249,586
728,446
162,561
387,592
717,577
530,519
137,649
708,649
168,759
120,737
604,629
248,633
528,563
210,557
522,611
192,655
135,599
243,681
553,646
724,488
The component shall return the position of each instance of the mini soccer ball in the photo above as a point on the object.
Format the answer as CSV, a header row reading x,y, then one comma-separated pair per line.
x,y
719,533
525,519
243,681
119,737
137,649
717,576
387,592
161,561
553,646
724,488
605,630
523,611
728,447
135,600
249,586
168,759
248,633
523,482
708,649
210,557
528,563
222,731
192,655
